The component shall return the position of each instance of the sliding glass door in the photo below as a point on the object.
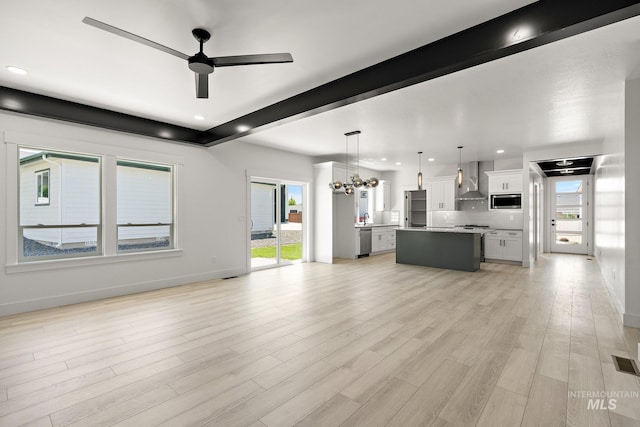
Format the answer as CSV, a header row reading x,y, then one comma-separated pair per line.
x,y
277,228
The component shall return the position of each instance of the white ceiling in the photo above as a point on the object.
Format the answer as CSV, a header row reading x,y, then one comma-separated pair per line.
x,y
569,91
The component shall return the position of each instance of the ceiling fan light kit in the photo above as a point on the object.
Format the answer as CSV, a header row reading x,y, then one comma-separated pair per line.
x,y
200,64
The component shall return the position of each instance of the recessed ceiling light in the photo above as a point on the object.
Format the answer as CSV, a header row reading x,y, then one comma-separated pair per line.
x,y
431,159
564,163
384,159
243,128
16,70
197,117
398,163
499,151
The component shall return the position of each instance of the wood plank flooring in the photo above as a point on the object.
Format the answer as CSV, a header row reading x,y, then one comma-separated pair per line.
x,y
357,343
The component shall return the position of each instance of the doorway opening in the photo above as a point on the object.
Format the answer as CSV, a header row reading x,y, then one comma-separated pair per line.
x,y
569,214
278,223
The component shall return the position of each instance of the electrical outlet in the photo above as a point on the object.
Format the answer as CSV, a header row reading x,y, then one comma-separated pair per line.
x,y
213,260
614,275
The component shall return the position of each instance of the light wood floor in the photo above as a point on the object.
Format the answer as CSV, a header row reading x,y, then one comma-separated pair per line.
x,y
364,342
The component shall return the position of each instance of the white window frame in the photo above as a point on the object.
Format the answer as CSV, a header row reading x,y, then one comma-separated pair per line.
x,y
98,226
171,225
42,201
109,153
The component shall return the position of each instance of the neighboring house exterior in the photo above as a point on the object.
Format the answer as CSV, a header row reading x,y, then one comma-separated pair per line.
x,y
144,197
262,209
62,189
72,197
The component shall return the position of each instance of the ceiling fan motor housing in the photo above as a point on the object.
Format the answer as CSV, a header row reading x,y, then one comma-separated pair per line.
x,y
201,64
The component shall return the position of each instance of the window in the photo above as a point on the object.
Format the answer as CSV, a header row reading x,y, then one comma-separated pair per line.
x,y
144,206
66,218
42,187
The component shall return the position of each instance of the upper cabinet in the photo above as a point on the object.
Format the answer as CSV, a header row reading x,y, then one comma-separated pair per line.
x,y
504,182
383,196
441,193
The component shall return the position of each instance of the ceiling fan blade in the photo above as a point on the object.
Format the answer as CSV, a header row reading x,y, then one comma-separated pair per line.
x,y
202,85
131,36
267,58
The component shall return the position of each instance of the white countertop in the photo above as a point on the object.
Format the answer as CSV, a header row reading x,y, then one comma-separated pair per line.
x,y
449,229
374,225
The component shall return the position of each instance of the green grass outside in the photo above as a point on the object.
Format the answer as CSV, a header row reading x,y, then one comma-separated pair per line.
x,y
290,252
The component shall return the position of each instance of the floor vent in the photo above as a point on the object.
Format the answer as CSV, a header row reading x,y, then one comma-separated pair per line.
x,y
625,365
230,277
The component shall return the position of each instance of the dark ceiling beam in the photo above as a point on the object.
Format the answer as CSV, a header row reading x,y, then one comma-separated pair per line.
x,y
545,20
45,106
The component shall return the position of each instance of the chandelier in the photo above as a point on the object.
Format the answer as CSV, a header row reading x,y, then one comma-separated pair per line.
x,y
354,181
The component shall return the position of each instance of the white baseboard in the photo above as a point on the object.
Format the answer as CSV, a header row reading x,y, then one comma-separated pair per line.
x,y
97,294
632,320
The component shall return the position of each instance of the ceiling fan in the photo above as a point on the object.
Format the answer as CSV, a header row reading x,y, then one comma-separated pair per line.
x,y
199,63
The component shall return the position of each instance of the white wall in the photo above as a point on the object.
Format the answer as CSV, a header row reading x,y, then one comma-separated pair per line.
x,y
535,214
632,204
609,219
212,215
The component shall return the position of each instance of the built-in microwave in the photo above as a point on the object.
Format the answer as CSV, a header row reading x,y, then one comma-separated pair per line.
x,y
506,201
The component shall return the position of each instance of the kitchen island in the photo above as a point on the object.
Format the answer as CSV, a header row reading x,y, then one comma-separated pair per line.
x,y
452,248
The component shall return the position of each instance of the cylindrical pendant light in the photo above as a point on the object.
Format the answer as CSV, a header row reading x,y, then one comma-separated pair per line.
x,y
459,178
419,170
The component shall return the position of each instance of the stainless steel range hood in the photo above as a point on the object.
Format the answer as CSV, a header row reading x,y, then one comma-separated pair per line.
x,y
471,180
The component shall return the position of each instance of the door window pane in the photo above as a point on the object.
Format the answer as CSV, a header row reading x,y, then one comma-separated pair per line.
x,y
568,239
144,206
569,199
569,186
291,229
571,226
569,212
264,239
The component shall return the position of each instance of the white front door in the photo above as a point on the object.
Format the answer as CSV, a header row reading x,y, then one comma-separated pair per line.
x,y
569,214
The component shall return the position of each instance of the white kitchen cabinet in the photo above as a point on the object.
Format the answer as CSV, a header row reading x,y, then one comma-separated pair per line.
x,y
505,182
441,193
383,239
503,245
383,196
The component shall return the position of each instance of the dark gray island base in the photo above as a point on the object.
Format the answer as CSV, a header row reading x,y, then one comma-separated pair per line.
x,y
440,249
